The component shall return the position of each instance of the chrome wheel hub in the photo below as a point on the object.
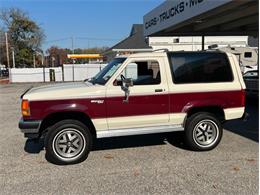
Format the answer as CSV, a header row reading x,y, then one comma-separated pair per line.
x,y
69,143
205,133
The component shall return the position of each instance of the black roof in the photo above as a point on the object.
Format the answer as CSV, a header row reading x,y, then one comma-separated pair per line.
x,y
136,39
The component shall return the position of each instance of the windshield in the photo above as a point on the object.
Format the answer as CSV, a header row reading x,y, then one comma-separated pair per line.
x,y
106,73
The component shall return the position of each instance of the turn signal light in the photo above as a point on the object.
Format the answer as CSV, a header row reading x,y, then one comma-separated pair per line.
x,y
25,108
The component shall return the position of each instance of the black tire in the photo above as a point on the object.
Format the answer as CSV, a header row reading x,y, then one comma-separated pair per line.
x,y
199,131
61,134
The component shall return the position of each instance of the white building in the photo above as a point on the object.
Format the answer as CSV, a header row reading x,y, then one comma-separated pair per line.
x,y
195,43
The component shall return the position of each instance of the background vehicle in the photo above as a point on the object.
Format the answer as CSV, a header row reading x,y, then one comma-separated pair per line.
x,y
251,79
145,93
3,71
247,57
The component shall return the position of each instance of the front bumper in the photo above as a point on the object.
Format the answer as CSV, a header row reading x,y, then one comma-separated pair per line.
x,y
30,128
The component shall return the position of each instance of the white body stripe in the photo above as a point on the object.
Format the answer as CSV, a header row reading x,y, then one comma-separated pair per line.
x,y
139,131
234,113
177,118
142,121
100,124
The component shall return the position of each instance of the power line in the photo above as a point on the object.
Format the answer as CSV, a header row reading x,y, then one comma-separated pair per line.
x,y
97,39
57,40
87,38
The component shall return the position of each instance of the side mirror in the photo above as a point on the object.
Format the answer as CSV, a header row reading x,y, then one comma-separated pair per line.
x,y
128,82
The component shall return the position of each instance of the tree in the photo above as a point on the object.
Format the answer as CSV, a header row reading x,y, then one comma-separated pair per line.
x,y
58,56
25,35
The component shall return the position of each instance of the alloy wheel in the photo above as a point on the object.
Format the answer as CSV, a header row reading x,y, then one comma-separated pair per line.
x,y
69,144
205,133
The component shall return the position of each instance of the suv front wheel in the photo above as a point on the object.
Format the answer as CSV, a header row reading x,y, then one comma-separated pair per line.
x,y
203,131
68,142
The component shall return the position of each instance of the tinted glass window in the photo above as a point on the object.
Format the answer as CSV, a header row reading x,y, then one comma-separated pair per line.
x,y
200,67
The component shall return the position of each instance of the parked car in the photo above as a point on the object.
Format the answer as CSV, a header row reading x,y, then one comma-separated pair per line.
x,y
251,79
144,93
4,72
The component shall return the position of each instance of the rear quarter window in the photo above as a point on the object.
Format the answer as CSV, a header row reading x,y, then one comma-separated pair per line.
x,y
200,67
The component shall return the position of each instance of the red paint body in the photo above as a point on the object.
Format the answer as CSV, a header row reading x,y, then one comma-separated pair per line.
x,y
227,99
138,105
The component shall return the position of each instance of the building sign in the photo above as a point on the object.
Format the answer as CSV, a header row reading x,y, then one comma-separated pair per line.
x,y
173,12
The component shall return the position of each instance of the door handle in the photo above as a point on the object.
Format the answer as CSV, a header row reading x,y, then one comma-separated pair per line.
x,y
158,90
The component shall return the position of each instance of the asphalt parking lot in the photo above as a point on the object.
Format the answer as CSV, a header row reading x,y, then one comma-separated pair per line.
x,y
129,165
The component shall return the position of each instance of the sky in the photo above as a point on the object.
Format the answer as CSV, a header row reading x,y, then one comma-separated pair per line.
x,y
91,23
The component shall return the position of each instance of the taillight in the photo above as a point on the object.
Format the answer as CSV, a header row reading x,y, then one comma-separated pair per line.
x,y
243,98
25,108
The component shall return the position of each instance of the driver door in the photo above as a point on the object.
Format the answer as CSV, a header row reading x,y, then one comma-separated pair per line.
x,y
148,103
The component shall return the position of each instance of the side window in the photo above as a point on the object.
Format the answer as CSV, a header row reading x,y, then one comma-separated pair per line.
x,y
200,67
142,73
131,71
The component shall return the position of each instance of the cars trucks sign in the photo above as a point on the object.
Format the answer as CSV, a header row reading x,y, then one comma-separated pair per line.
x,y
172,12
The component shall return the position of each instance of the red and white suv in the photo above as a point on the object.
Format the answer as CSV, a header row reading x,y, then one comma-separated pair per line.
x,y
143,93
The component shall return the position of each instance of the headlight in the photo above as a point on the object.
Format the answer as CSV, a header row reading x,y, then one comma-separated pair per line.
x,y
25,108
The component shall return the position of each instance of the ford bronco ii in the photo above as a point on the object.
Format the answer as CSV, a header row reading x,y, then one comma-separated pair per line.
x,y
144,93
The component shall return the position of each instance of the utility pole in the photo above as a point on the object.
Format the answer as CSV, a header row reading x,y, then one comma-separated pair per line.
x,y
52,61
72,47
34,60
72,44
42,58
42,55
7,50
13,57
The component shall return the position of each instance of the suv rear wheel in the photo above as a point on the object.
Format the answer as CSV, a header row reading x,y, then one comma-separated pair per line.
x,y
68,142
203,131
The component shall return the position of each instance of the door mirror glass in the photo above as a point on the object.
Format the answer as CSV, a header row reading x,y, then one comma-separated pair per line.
x,y
128,82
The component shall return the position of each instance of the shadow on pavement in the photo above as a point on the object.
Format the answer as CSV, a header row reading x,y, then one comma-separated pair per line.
x,y
175,139
249,128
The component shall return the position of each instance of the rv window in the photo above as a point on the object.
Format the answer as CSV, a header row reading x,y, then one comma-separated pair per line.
x,y
248,54
176,40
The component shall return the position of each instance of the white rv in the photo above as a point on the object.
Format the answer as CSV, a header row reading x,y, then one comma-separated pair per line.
x,y
247,56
